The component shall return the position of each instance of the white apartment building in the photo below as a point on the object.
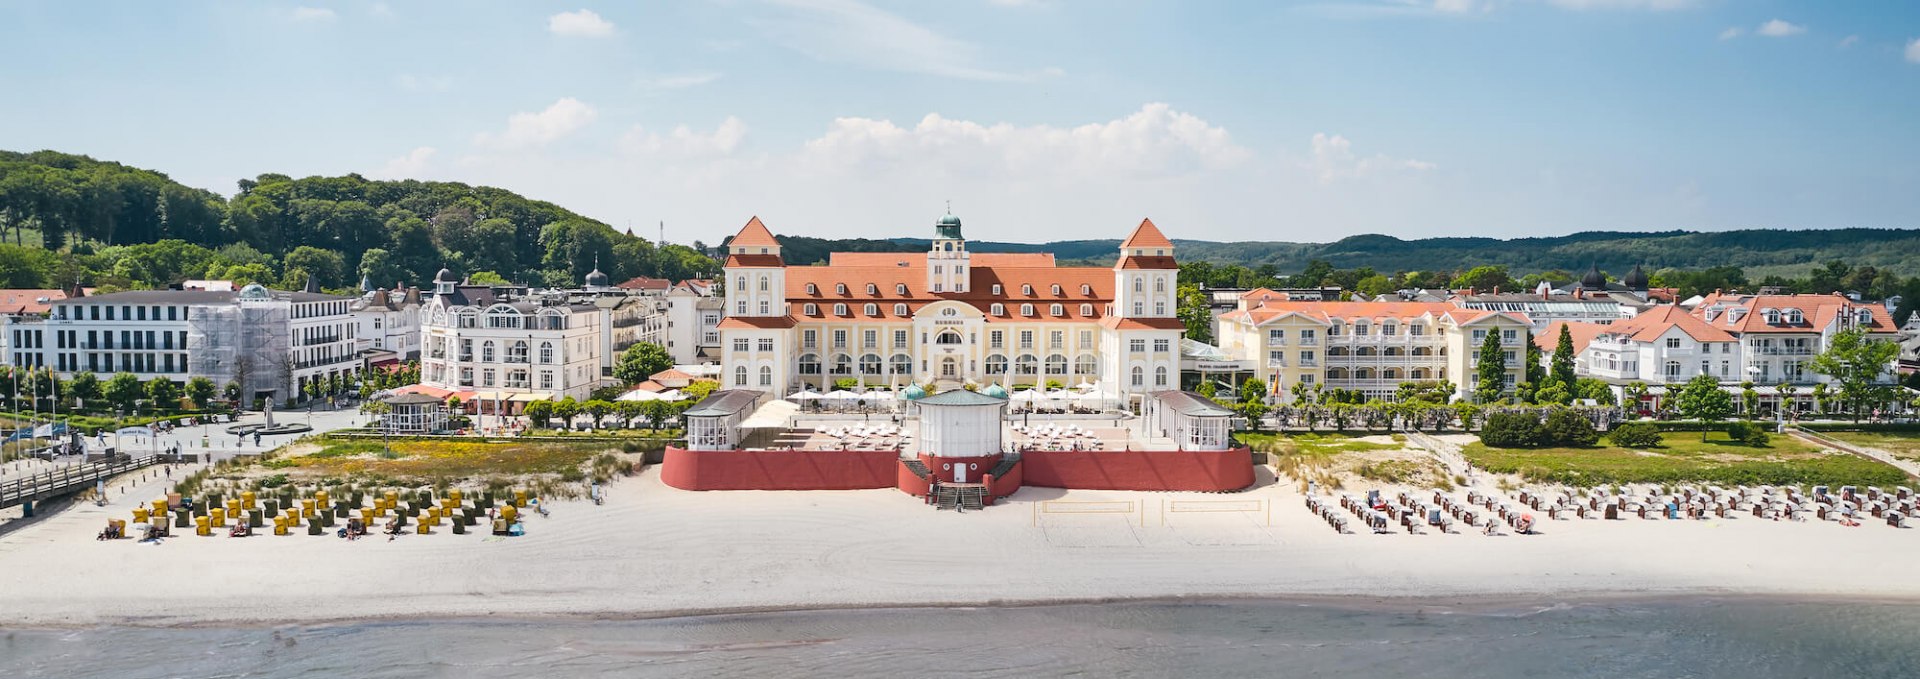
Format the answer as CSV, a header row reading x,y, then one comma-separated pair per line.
x,y
388,320
693,322
271,342
481,345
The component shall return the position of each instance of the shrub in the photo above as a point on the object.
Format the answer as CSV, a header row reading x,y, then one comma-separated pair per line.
x,y
1569,428
1512,430
1749,433
1635,435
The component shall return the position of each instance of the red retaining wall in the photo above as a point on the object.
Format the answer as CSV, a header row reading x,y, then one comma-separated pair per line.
x,y
780,469
1202,470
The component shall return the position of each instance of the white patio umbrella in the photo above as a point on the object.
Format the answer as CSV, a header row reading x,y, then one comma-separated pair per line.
x,y
1059,394
876,395
841,395
672,395
803,395
1028,396
638,395
1084,386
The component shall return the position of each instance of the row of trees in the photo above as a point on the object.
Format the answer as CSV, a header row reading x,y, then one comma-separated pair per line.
x,y
118,227
658,414
43,390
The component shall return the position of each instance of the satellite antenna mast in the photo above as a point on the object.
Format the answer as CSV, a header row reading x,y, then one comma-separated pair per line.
x,y
663,234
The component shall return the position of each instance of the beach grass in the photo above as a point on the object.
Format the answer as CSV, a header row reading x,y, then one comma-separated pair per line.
x,y
439,459
1903,445
1685,458
1321,444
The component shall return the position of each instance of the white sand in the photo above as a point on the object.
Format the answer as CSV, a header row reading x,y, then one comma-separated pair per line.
x,y
653,550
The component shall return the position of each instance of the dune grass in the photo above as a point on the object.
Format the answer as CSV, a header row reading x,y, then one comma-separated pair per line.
x,y
1903,445
1684,458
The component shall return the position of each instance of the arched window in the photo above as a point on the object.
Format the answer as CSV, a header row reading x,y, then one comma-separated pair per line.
x,y
947,337
873,290
1336,373
870,364
766,376
1419,374
1056,364
1086,364
1026,289
1160,376
813,289
740,376
901,364
1364,351
1336,351
839,309
1795,317
763,283
546,352
900,289
1392,351
809,364
1362,373
517,352
842,364
900,310
810,309
1056,290
1773,316
1086,310
486,351
1026,364
1673,370
996,365
840,288
1057,310
1423,351
1159,284
1390,374
997,309
1139,374
1086,290
1026,309
873,309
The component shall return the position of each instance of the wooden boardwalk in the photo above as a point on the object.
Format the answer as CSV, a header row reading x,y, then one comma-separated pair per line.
x,y
57,482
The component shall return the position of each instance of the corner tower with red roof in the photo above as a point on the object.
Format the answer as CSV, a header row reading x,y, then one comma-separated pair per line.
x,y
757,334
1142,330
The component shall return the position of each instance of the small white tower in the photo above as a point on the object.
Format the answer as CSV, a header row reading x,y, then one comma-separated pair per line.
x,y
948,261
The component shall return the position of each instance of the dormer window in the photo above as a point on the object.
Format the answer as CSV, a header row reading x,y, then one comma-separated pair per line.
x,y
811,309
1773,316
840,289
1026,290
873,310
1865,317
813,289
1056,290
997,309
839,309
1794,317
900,289
900,310
1026,310
1086,290
1057,310
873,290
1086,310
996,288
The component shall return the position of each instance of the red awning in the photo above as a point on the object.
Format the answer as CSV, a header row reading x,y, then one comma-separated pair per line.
x,y
423,389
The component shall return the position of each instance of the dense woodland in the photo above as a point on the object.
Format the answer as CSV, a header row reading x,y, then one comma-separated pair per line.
x,y
71,218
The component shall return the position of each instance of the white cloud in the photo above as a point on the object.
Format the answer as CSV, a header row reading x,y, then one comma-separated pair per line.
x,y
409,166
1156,140
581,23
1849,41
851,32
1656,5
1333,159
1731,33
564,117
686,141
380,9
1455,6
680,81
313,14
1913,51
1779,29
414,83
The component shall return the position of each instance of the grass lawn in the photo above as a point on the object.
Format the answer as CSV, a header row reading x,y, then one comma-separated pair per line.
x,y
1905,446
439,459
1684,458
1316,444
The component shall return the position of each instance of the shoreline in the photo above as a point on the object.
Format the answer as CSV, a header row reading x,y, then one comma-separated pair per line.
x,y
655,553
1512,604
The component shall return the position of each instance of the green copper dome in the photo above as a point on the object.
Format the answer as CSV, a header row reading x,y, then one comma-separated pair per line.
x,y
915,393
995,391
947,227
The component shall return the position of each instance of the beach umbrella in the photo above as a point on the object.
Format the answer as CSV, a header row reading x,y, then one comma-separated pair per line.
x,y
803,395
1084,386
638,395
841,395
875,395
671,395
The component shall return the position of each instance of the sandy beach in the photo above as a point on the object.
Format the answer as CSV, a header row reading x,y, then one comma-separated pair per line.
x,y
652,550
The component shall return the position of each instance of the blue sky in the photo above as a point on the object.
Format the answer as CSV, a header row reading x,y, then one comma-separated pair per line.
x,y
1039,119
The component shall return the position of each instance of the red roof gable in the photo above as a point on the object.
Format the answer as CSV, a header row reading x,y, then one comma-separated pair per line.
x,y
754,233
1146,235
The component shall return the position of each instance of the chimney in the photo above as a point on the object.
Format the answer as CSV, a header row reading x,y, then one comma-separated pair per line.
x,y
1496,289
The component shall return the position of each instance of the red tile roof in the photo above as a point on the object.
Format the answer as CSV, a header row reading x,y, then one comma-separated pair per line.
x,y
977,259
1581,333
27,301
759,261
1649,325
1146,235
1146,262
1817,313
1117,323
1078,286
761,322
646,283
754,233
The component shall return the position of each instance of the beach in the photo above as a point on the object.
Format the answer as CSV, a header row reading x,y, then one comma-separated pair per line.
x,y
652,551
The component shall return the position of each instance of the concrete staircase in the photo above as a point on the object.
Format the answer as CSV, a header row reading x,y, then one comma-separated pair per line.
x,y
960,496
917,467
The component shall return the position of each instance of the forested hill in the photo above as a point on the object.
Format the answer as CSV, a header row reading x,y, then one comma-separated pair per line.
x,y
111,225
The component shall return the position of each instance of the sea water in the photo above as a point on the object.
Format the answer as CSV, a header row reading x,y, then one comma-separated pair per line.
x,y
1739,638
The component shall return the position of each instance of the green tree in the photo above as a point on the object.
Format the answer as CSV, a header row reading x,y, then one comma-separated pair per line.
x,y
201,391
1485,279
487,278
1254,412
86,387
1374,286
1205,388
1491,374
540,413
1536,365
1195,313
123,390
565,409
326,265
1254,390
700,389
1702,399
1563,359
597,409
1589,388
163,393
641,361
1855,363
657,412
1749,400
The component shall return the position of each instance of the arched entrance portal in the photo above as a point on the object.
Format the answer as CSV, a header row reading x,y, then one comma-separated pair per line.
x,y
949,368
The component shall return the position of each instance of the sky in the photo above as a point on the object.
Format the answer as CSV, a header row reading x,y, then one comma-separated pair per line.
x,y
1036,120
